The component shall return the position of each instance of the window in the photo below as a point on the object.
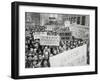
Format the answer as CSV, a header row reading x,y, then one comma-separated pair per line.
x,y
83,20
78,20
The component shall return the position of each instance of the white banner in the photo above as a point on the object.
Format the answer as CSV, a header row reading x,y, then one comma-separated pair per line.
x,y
50,40
37,35
76,56
79,31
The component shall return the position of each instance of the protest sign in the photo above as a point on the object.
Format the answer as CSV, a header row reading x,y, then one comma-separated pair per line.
x,y
50,40
37,35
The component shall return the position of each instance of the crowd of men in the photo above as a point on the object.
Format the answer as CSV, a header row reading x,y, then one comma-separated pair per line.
x,y
37,55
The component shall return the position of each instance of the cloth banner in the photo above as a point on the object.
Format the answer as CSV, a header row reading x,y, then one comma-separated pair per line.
x,y
74,57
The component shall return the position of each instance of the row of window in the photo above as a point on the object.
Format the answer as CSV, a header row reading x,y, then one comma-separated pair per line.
x,y
78,20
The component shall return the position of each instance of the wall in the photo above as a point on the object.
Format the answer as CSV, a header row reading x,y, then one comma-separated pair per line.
x,y
5,40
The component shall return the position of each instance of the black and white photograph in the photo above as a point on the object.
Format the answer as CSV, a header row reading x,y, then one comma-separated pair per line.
x,y
50,40
56,40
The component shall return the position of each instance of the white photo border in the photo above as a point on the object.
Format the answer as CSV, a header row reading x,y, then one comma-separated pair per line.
x,y
39,71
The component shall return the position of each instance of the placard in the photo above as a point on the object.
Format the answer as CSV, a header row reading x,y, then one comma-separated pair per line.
x,y
50,40
37,35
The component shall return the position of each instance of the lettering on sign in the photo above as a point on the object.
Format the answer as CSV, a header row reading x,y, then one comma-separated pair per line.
x,y
50,40
37,35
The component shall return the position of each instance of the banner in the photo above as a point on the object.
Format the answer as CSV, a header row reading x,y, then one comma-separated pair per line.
x,y
50,40
37,35
74,57
81,32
